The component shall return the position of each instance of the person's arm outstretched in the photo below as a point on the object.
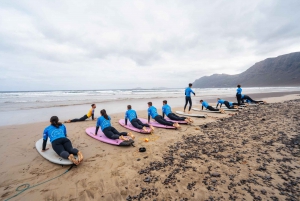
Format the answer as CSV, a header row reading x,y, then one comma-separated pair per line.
x,y
45,138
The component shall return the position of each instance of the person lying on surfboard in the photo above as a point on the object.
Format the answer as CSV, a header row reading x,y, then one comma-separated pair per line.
x,y
229,105
57,133
135,122
210,108
166,110
250,100
153,113
108,130
86,116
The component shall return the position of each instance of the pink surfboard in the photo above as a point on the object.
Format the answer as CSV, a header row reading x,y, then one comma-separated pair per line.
x,y
155,124
180,122
131,127
101,137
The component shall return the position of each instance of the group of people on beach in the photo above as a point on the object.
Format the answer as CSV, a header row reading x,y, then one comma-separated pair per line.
x,y
63,146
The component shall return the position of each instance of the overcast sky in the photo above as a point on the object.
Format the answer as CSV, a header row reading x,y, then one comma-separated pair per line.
x,y
97,44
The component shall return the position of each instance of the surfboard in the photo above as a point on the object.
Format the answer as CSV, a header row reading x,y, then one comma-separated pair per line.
x,y
131,127
50,154
199,110
234,110
191,115
180,122
101,137
156,124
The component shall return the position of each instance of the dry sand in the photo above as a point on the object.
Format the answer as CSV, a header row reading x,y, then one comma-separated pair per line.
x,y
252,156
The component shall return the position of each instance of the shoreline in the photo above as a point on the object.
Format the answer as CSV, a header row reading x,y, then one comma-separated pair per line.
x,y
113,173
113,107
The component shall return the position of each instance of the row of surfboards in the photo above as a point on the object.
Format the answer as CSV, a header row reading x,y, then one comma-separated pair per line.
x,y
53,157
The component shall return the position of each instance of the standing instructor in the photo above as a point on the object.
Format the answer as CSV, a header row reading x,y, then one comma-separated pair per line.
x,y
188,98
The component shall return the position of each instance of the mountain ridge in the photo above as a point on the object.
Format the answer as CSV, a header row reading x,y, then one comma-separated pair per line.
x,y
283,70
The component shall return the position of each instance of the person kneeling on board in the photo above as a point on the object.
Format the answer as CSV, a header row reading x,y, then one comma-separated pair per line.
x,y
135,122
153,113
57,133
166,110
86,116
250,100
108,130
210,108
229,105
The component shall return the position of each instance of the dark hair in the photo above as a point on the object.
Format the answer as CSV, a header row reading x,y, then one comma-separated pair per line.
x,y
165,102
103,113
219,98
239,86
93,105
201,100
55,121
190,84
150,103
128,107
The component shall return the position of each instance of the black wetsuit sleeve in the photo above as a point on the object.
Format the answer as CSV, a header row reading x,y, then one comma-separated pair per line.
x,y
136,116
218,105
163,114
194,93
126,121
202,107
93,116
148,118
44,144
97,128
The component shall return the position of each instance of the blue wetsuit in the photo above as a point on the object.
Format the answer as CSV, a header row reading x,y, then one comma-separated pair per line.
x,y
58,138
207,106
166,110
238,95
135,122
188,98
107,129
153,113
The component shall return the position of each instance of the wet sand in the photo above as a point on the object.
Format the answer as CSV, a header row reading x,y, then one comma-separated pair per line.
x,y
253,156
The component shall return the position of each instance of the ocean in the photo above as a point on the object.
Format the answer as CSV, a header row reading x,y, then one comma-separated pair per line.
x,y
33,106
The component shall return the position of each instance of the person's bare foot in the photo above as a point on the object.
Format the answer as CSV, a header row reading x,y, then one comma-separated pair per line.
x,y
80,156
69,121
144,129
152,128
72,158
131,135
123,138
265,102
222,111
176,125
187,121
191,120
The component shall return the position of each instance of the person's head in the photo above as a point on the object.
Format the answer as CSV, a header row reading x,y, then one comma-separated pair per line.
x,y
218,98
201,101
103,113
149,104
190,84
129,107
93,106
165,102
238,86
55,121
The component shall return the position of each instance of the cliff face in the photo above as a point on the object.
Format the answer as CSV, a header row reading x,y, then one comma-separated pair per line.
x,y
280,71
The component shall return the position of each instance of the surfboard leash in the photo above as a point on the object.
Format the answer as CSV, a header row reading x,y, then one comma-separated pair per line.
x,y
25,187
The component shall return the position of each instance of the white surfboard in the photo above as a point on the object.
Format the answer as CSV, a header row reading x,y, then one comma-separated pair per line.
x,y
191,115
50,154
234,110
199,110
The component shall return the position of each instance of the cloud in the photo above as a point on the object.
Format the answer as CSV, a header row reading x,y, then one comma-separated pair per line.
x,y
127,44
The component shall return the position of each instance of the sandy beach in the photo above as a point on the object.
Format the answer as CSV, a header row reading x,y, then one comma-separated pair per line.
x,y
253,155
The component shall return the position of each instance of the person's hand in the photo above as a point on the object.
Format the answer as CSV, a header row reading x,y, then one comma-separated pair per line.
x,y
45,150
